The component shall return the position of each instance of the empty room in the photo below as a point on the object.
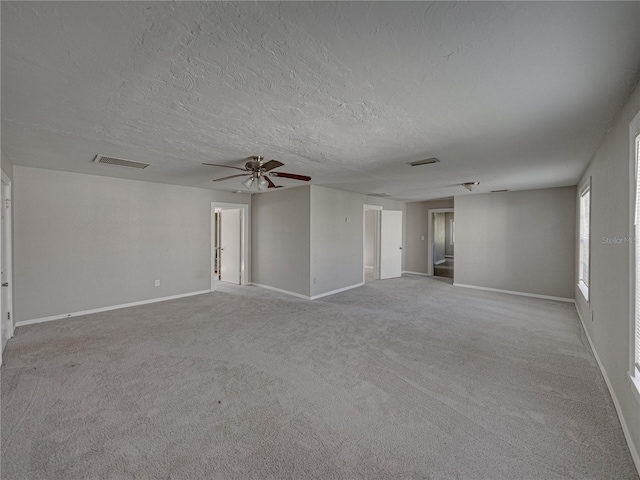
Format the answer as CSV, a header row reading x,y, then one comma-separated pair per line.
x,y
320,240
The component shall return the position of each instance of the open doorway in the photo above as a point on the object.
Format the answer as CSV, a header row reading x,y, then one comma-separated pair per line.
x,y
5,262
229,243
371,247
441,246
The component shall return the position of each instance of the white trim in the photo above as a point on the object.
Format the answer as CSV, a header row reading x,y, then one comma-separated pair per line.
x,y
332,292
280,290
448,256
511,292
632,448
440,262
430,213
106,309
416,273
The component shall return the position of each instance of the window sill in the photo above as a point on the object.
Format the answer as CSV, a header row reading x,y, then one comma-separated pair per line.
x,y
634,377
585,290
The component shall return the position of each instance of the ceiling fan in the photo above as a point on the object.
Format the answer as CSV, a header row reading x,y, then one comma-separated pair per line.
x,y
259,173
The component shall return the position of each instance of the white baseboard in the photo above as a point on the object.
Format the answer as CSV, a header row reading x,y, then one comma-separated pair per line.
x,y
440,261
416,273
332,292
632,448
280,290
511,292
307,297
448,256
106,309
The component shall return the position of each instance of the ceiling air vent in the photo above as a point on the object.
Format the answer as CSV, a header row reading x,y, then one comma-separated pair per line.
x,y
120,162
383,195
427,161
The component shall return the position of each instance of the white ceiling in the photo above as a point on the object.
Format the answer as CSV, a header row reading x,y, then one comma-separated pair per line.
x,y
514,95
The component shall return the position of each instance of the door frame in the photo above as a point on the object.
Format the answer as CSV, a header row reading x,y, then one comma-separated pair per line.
x,y
430,231
376,240
245,241
6,242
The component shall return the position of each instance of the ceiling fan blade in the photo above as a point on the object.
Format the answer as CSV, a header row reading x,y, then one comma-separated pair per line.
x,y
271,164
271,184
294,176
227,166
231,176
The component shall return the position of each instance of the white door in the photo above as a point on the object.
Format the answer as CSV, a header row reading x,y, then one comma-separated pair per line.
x,y
5,264
390,244
230,229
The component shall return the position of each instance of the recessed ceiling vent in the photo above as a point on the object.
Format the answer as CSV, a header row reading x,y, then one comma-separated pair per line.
x,y
427,161
383,195
120,162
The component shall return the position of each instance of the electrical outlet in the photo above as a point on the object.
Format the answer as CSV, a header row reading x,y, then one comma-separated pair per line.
x,y
422,238
157,283
314,280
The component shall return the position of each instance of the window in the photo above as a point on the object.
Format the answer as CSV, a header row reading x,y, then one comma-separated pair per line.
x,y
585,216
634,251
453,232
635,320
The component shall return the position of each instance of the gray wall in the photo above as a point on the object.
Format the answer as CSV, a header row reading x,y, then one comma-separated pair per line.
x,y
519,241
438,237
609,272
448,248
369,236
84,242
280,239
336,245
416,249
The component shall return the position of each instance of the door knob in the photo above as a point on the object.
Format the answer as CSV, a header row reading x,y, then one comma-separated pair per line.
x,y
6,284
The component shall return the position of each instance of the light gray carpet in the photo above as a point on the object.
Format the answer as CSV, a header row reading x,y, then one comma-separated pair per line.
x,y
406,378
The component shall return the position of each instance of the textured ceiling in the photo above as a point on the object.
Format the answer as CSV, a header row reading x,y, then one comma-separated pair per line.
x,y
514,95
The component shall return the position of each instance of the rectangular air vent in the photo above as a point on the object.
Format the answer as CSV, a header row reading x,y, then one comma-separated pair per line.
x,y
120,162
499,191
427,161
383,195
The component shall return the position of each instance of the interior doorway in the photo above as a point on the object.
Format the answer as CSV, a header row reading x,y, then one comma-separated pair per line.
x,y
229,243
441,246
6,249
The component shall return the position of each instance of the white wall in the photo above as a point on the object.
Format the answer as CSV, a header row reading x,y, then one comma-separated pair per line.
x,y
84,242
280,239
607,316
519,241
417,233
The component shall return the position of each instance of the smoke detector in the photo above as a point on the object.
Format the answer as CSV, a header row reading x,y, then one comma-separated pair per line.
x,y
470,185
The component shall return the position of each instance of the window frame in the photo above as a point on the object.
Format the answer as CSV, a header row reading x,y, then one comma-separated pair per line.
x,y
634,160
584,189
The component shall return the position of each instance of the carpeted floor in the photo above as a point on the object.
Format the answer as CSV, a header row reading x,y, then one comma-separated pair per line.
x,y
405,378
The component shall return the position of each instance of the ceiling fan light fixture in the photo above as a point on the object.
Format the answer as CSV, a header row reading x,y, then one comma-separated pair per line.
x,y
262,183
470,185
248,183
